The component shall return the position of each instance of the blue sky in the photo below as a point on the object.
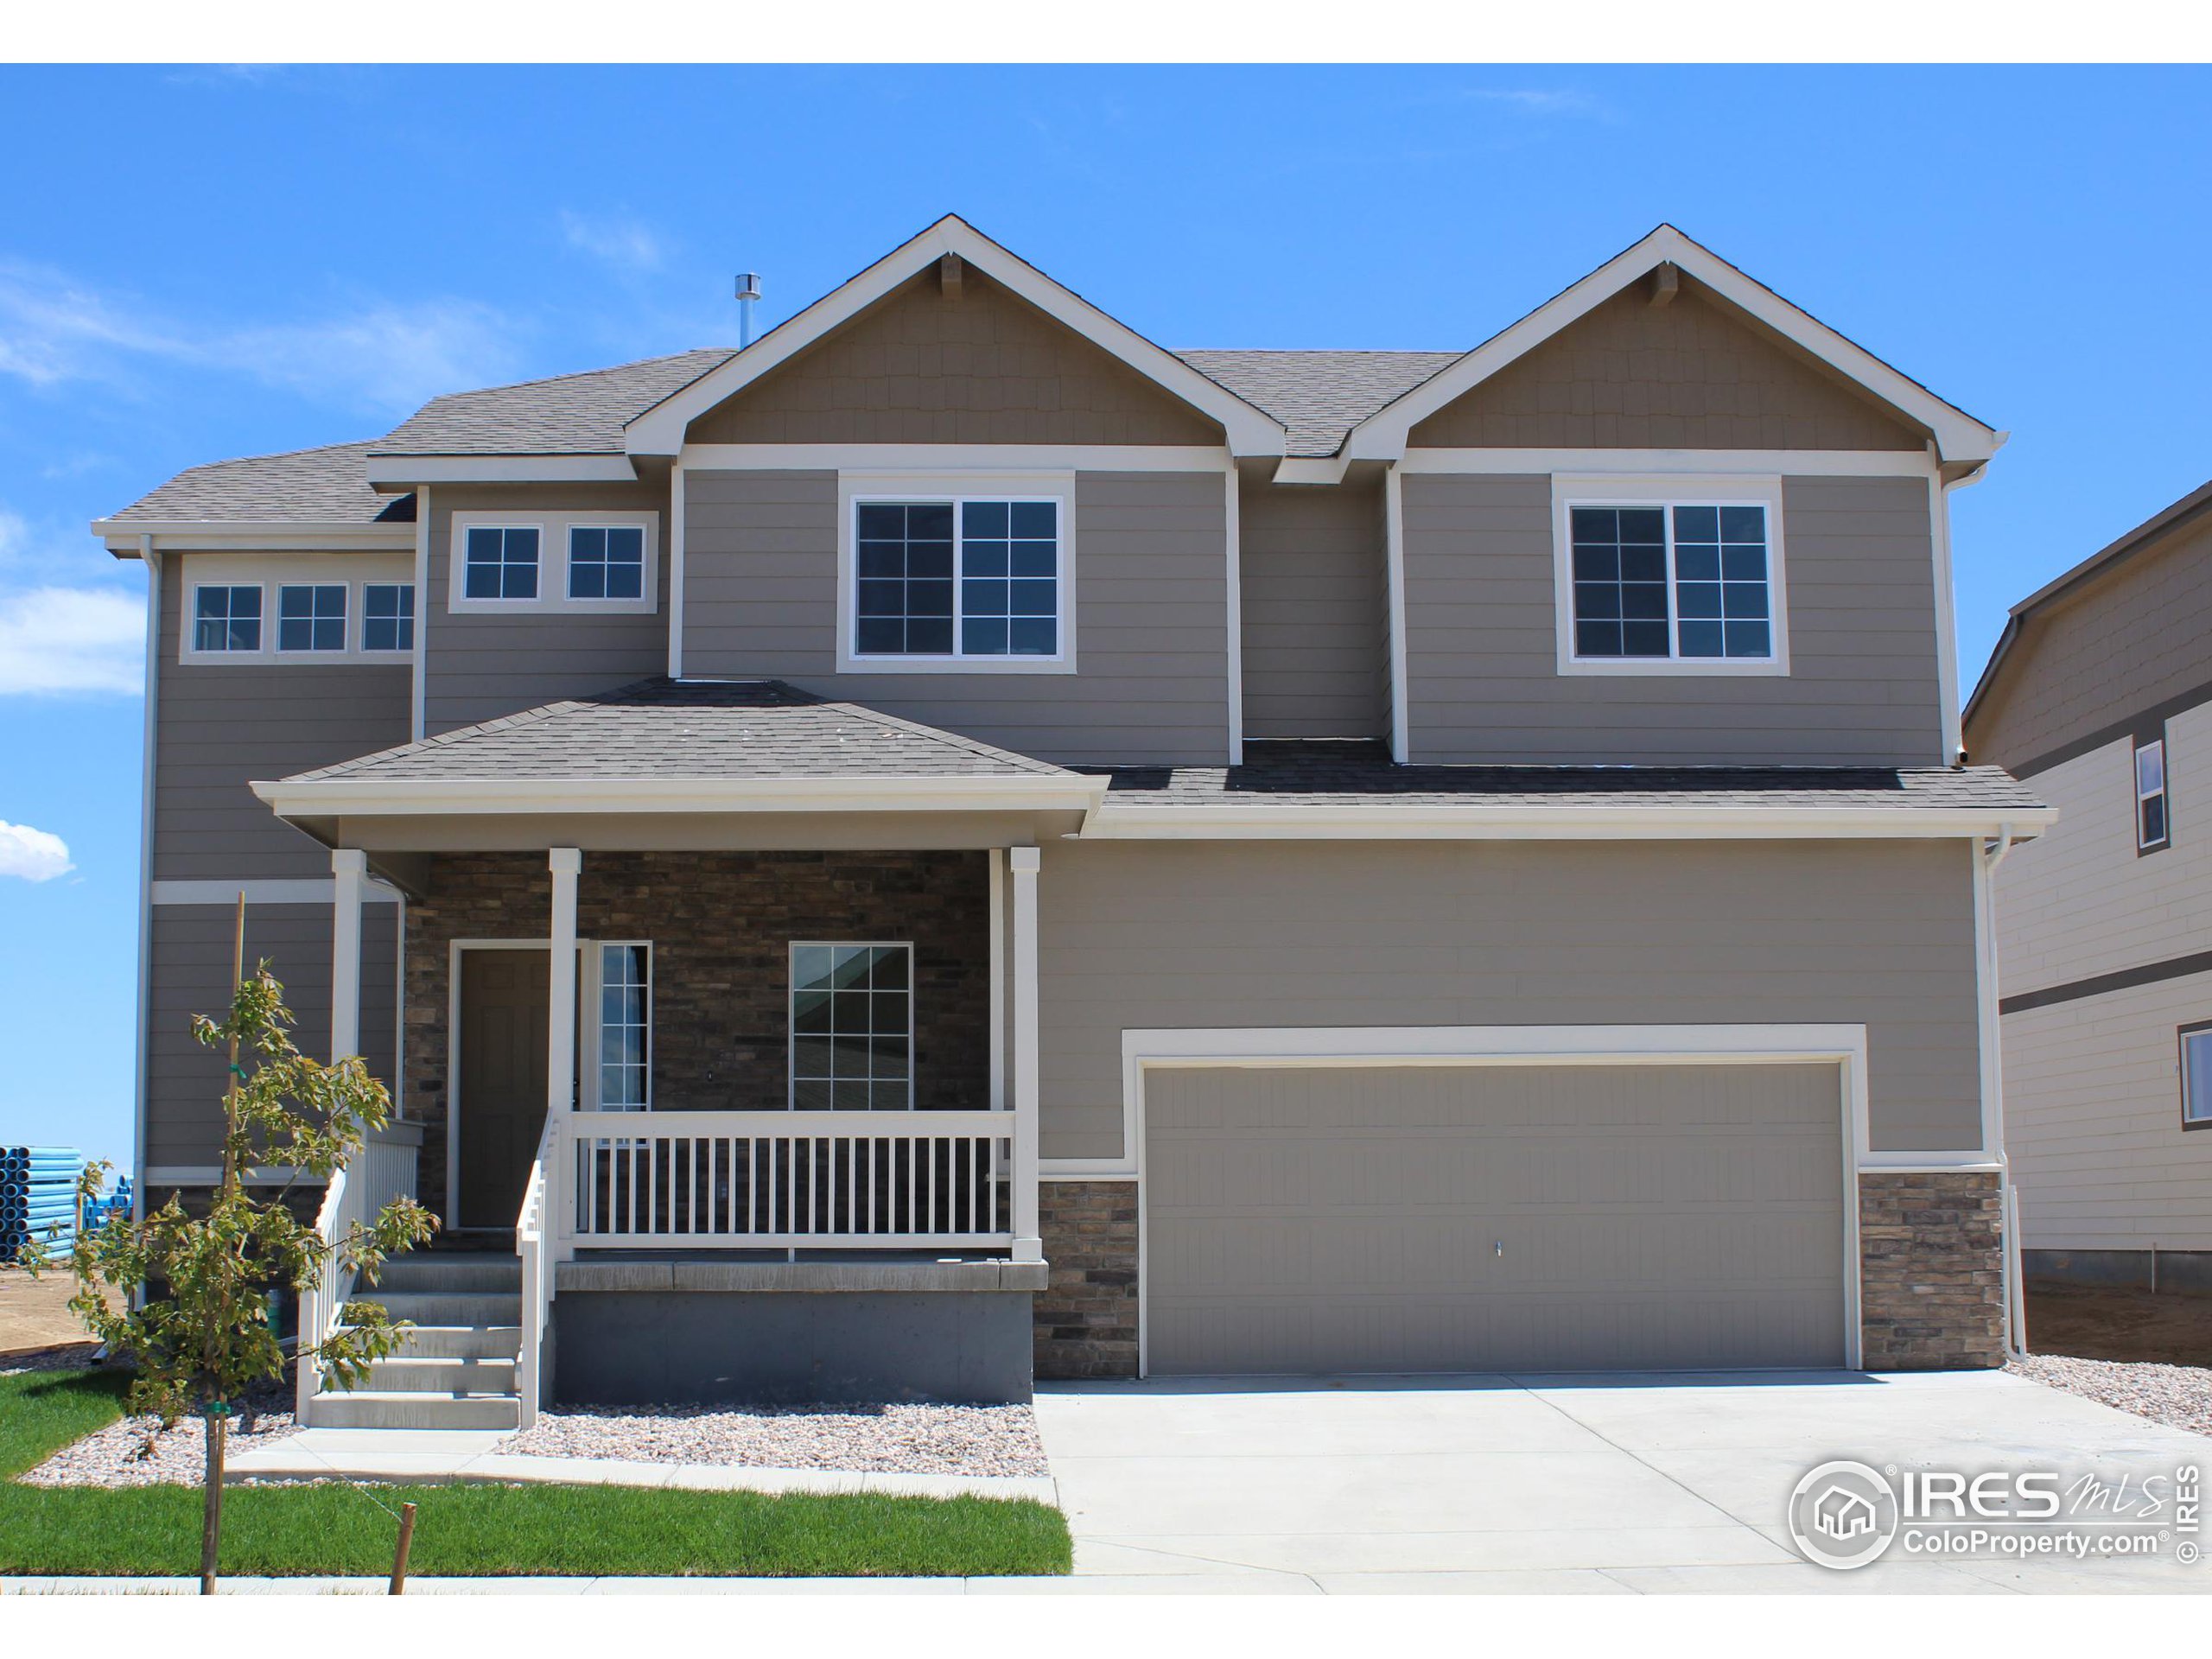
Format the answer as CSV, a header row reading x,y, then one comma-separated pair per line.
x,y
202,263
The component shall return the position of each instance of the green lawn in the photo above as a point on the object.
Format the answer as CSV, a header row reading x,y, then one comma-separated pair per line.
x,y
287,1531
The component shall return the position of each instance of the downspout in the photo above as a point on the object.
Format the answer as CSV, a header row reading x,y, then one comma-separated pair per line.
x,y
1991,854
146,871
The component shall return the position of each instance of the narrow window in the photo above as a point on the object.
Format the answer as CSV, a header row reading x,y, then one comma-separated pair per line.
x,y
625,1026
2152,830
311,616
1672,582
956,579
388,616
502,562
2197,1077
606,562
852,1028
227,617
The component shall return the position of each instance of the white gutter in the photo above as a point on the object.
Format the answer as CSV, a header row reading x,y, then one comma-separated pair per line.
x,y
146,872
1114,822
131,539
1992,1082
368,798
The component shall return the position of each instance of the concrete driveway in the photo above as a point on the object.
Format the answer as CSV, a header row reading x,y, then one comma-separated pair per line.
x,y
1616,1484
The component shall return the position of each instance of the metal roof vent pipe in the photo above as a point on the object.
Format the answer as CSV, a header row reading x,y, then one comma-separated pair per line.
x,y
748,293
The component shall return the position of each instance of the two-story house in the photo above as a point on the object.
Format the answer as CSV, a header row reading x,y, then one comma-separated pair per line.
x,y
955,844
2100,691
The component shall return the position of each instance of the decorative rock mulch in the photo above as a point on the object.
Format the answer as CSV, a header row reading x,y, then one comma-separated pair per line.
x,y
2179,1396
871,1440
138,1452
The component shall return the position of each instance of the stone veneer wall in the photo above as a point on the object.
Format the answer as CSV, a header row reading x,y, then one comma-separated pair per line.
x,y
720,924
1932,1281
1087,1315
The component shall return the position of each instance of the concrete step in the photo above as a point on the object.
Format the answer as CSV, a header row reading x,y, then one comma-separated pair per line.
x,y
442,1375
431,1271
447,1306
461,1342
375,1408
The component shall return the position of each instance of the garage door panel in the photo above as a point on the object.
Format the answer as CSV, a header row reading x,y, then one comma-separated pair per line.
x,y
1351,1218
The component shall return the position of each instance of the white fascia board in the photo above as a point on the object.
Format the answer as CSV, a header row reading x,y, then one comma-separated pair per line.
x,y
206,536
1111,822
660,429
402,471
1958,436
955,458
365,797
1678,463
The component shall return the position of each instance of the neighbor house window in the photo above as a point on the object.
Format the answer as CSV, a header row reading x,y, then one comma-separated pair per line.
x,y
852,1028
2152,830
502,561
606,562
311,616
388,616
227,617
1672,582
2197,1077
625,989
959,578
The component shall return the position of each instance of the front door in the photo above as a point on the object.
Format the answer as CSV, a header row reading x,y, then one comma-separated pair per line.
x,y
503,997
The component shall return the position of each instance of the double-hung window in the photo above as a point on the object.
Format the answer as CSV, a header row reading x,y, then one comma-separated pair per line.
x,y
311,616
625,1004
501,562
606,562
852,1028
2152,828
388,616
2197,1077
226,617
958,579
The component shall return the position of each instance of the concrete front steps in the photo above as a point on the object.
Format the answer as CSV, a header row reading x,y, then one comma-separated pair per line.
x,y
456,1368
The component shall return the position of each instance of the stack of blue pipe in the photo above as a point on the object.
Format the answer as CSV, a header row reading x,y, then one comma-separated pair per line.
x,y
97,1212
38,1200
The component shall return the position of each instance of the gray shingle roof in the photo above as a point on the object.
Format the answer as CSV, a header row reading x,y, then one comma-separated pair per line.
x,y
328,485
1319,396
689,729
1349,773
570,415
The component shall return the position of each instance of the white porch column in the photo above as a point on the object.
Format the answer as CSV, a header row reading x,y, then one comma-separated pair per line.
x,y
1028,1245
565,862
349,867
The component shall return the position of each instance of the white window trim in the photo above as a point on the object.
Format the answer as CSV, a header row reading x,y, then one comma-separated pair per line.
x,y
380,653
2163,794
351,603
552,529
1571,490
856,489
593,981
271,575
791,1009
188,629
2188,1092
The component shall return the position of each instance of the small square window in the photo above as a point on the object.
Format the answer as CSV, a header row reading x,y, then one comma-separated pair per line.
x,y
227,617
501,562
311,616
606,562
388,616
852,1018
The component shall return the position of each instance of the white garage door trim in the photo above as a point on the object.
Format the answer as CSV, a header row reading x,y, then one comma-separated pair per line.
x,y
1843,1045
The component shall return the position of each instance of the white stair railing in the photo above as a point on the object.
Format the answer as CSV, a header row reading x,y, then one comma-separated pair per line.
x,y
384,1171
537,1271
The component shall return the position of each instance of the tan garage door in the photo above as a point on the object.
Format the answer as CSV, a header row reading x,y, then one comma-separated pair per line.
x,y
1482,1217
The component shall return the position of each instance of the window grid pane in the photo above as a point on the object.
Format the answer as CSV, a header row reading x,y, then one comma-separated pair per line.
x,y
226,618
991,589
852,1028
388,616
502,562
311,617
2151,828
606,562
1681,582
625,1026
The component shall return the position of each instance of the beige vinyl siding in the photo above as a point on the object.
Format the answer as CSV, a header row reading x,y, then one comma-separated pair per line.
x,y
220,726
2093,1122
1483,681
1463,1218
1143,935
1695,374
1315,629
191,974
760,600
482,666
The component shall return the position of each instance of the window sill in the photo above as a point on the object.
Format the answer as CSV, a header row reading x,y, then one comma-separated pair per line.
x,y
851,665
1676,667
552,607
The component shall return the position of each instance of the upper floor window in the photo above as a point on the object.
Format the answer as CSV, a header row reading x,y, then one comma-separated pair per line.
x,y
958,579
2197,1077
388,616
1671,582
2152,830
226,617
311,616
852,1028
606,562
501,562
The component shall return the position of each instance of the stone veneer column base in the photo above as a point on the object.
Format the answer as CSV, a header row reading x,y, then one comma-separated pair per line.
x,y
1086,1319
1931,1249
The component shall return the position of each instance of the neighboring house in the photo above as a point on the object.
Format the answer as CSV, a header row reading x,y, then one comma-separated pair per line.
x,y
2100,691
1001,844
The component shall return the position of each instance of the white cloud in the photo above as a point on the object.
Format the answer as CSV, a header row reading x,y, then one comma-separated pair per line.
x,y
32,853
620,242
60,640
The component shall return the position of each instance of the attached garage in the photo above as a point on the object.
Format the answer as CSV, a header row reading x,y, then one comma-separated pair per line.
x,y
1531,1216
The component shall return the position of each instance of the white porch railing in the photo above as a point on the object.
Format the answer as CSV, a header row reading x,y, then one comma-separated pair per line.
x,y
532,1224
785,1180
384,1171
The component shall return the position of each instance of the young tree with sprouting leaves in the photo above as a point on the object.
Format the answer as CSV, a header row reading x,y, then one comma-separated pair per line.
x,y
207,1337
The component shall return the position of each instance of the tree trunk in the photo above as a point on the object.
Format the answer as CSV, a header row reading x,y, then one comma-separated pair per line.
x,y
211,1531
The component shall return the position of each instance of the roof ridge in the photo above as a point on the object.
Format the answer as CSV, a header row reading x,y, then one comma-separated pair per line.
x,y
276,455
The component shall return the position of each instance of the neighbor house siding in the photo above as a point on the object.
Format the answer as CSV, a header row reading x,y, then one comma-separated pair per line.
x,y
1316,636
1151,624
482,666
1481,656
1418,933
223,725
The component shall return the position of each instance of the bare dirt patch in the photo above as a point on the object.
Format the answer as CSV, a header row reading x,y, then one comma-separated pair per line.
x,y
2119,1323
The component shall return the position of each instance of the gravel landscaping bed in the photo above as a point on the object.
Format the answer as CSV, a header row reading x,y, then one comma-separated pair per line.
x,y
2179,1396
138,1452
872,1439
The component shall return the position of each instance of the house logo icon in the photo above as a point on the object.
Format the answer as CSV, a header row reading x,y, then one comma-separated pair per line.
x,y
1843,1514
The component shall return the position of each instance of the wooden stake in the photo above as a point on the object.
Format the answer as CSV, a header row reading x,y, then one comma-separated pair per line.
x,y
406,1539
